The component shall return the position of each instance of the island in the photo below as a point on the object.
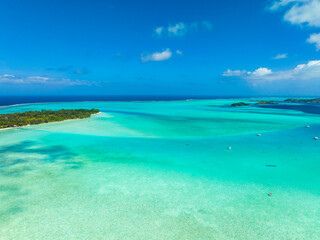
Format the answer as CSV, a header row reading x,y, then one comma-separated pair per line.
x,y
240,104
19,119
293,100
263,102
289,100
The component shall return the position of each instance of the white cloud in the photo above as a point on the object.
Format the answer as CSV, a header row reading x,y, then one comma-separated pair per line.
x,y
315,39
235,73
179,52
178,29
300,11
8,75
157,56
159,30
261,72
281,3
12,79
181,28
281,56
38,79
308,71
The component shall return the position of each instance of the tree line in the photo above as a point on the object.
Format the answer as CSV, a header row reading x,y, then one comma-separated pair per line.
x,y
43,116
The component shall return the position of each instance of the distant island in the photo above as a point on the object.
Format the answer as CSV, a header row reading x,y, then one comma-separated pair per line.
x,y
289,100
19,119
241,104
293,100
266,102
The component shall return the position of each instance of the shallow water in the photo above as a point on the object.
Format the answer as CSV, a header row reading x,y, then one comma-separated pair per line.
x,y
162,170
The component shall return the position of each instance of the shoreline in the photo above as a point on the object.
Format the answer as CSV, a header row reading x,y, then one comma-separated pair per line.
x,y
18,127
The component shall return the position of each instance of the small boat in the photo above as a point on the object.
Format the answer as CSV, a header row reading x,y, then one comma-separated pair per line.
x,y
259,134
316,138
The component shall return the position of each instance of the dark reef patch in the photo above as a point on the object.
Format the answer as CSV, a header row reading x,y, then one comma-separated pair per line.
x,y
306,108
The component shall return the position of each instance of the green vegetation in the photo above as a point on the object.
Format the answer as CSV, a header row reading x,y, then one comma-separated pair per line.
x,y
240,104
43,116
314,100
266,102
290,100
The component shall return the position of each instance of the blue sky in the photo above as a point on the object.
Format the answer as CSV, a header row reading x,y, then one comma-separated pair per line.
x,y
143,47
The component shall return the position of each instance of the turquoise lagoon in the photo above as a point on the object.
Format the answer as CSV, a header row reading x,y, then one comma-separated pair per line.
x,y
162,170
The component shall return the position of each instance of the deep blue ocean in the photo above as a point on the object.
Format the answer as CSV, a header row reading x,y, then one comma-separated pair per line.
x,y
10,100
306,108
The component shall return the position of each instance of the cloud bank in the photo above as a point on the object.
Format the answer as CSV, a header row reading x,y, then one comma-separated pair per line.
x,y
308,71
